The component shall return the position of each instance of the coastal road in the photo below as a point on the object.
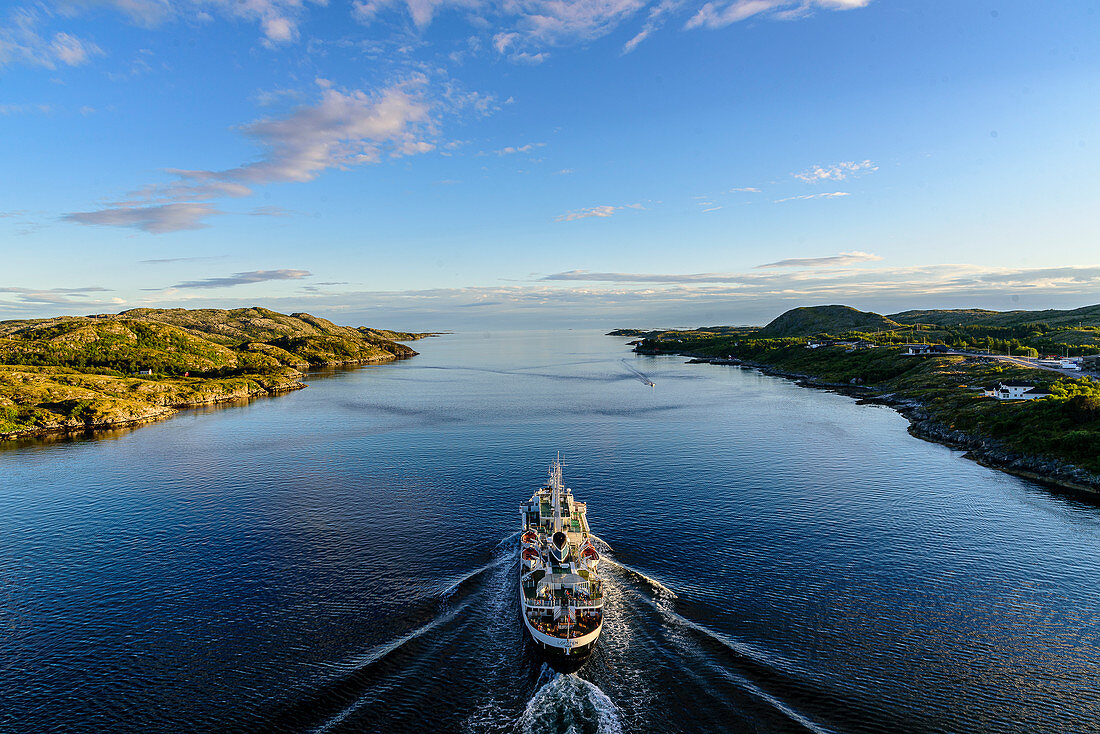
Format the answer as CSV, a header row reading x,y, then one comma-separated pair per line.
x,y
1021,362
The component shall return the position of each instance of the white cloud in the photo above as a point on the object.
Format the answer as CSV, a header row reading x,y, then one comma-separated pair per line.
x,y
836,172
928,280
251,276
522,30
513,149
22,41
421,11
655,20
830,261
546,23
156,219
146,13
342,130
586,275
745,190
725,12
621,299
805,197
57,296
278,19
603,210
608,300
71,50
269,97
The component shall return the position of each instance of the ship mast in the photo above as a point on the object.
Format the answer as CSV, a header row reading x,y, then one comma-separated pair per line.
x,y
555,486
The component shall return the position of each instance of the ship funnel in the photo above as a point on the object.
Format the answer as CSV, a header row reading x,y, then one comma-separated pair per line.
x,y
559,547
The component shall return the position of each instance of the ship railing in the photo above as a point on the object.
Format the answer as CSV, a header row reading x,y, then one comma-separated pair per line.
x,y
555,603
581,625
557,598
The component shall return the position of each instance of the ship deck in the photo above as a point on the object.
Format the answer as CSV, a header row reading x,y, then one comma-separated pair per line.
x,y
574,522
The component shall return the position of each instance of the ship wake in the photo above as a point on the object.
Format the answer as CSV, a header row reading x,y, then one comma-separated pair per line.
x,y
569,703
638,374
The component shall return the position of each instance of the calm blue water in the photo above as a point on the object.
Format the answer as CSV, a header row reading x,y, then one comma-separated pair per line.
x,y
342,559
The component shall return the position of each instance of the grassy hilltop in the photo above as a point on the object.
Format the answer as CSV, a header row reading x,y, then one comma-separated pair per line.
x,y
826,320
72,372
1073,333
942,393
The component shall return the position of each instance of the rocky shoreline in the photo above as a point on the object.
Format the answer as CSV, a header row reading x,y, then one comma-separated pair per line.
x,y
985,451
129,419
243,388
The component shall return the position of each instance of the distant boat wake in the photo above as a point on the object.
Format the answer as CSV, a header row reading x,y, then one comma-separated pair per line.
x,y
637,373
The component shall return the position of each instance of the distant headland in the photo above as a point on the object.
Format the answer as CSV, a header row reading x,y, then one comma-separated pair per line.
x,y
1018,390
75,373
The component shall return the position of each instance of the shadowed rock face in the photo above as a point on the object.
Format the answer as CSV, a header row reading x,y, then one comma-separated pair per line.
x,y
812,320
78,371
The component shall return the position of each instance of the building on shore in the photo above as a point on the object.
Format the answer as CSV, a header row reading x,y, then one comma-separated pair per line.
x,y
1091,362
1012,390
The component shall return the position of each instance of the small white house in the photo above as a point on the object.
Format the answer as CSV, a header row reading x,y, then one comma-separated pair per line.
x,y
1016,391
917,348
144,372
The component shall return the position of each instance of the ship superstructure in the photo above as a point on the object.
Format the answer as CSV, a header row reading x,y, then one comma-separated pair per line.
x,y
560,591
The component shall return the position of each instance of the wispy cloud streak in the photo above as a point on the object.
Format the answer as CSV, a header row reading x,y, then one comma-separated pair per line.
x,y
831,261
726,12
601,211
245,278
807,197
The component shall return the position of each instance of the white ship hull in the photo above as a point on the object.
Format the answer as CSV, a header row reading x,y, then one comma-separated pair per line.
x,y
560,591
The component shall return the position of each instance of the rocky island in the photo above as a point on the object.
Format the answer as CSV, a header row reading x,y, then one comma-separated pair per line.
x,y
75,373
940,369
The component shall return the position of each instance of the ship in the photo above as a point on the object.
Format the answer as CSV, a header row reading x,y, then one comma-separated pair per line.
x,y
560,592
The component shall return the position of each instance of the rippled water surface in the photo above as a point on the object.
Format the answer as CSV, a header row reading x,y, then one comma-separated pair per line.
x,y
342,559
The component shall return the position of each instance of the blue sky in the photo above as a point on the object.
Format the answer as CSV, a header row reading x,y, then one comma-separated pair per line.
x,y
462,163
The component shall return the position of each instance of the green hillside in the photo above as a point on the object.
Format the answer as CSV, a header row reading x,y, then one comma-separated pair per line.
x,y
210,342
70,372
813,320
1085,316
946,388
953,317
1070,333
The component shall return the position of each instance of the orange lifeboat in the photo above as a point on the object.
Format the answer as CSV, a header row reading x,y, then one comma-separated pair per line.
x,y
530,537
530,554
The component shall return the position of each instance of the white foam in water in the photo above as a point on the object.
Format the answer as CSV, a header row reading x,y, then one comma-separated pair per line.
x,y
648,579
568,704
507,538
751,653
638,373
452,587
380,651
373,656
